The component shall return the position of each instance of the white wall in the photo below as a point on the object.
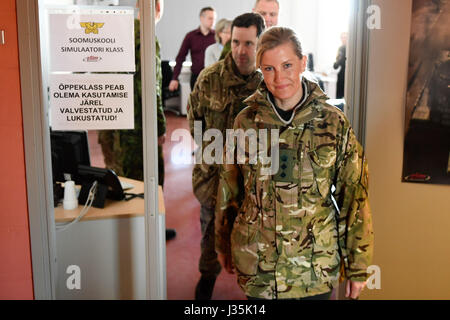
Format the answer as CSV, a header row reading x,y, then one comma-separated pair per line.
x,y
332,19
411,221
111,256
318,24
180,17
301,16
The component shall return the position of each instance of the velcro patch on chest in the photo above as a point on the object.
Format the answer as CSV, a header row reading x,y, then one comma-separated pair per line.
x,y
288,161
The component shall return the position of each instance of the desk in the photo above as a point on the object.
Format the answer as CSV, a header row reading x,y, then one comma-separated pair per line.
x,y
113,209
108,245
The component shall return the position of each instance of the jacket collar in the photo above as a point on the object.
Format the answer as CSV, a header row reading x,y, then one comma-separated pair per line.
x,y
308,109
231,76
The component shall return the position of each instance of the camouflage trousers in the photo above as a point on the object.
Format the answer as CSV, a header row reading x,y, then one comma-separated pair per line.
x,y
209,266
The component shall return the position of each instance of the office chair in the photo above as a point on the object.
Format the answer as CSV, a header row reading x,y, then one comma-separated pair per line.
x,y
167,74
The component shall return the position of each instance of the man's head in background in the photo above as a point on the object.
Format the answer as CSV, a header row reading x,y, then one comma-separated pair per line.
x,y
269,9
245,32
207,18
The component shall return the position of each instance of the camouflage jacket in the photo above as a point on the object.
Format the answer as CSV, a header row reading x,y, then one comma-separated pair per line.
x,y
217,98
123,149
283,231
225,50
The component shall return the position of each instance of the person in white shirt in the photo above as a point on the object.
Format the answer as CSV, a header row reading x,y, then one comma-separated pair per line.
x,y
223,34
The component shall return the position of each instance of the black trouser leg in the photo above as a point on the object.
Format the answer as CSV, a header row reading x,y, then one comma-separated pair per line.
x,y
209,266
193,79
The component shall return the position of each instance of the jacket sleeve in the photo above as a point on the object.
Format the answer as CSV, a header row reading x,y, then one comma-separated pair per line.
x,y
160,117
229,199
198,100
227,206
355,219
181,56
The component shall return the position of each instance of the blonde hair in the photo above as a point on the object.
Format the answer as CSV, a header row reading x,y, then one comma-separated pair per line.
x,y
274,37
221,25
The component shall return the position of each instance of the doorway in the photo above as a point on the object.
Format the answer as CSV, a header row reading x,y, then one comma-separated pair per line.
x,y
96,257
322,40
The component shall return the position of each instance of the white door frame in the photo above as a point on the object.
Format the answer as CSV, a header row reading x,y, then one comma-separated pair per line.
x,y
357,68
37,153
38,157
154,223
356,80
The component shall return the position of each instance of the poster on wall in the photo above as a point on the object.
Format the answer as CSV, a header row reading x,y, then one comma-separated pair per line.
x,y
91,40
91,101
427,123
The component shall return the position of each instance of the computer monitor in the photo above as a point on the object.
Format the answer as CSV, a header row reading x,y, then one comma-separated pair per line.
x,y
69,149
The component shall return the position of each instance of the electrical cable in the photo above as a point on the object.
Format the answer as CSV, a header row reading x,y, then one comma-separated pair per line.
x,y
129,196
91,196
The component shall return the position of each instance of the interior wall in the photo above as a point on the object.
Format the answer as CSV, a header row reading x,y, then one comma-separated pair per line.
x,y
317,23
180,17
15,256
300,15
332,19
412,241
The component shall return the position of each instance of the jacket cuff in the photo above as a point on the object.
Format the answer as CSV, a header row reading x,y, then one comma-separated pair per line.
x,y
357,278
359,275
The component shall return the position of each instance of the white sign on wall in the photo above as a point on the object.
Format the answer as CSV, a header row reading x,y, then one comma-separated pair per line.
x,y
91,101
92,40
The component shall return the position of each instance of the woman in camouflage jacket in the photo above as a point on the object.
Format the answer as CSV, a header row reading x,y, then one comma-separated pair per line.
x,y
288,235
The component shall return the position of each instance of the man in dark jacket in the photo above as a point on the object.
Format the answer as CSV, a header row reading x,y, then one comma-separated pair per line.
x,y
340,62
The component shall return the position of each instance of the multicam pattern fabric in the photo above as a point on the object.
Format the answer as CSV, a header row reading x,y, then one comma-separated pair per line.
x,y
225,50
217,98
286,237
123,149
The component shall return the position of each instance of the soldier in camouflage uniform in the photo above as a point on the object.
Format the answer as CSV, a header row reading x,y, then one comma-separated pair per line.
x,y
217,98
283,233
123,149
